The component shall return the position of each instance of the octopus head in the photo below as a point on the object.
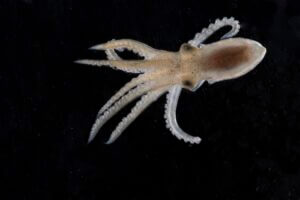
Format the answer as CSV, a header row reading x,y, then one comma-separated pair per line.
x,y
230,58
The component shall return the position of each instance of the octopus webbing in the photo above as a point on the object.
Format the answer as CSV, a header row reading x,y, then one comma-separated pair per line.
x,y
168,72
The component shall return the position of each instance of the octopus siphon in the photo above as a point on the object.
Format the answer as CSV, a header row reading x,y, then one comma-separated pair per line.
x,y
163,71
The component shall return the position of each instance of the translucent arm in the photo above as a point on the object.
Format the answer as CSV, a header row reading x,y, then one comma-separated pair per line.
x,y
170,116
137,47
140,106
207,32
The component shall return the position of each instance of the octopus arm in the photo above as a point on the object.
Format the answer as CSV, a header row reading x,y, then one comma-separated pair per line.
x,y
170,116
142,78
207,32
126,88
140,106
112,55
122,102
137,47
131,66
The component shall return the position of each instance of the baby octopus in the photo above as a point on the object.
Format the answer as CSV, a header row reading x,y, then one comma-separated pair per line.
x,y
164,71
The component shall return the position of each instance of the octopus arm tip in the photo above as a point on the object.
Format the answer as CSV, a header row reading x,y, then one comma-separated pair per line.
x,y
96,47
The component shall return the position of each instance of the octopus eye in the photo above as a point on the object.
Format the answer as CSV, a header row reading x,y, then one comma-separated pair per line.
x,y
187,47
187,83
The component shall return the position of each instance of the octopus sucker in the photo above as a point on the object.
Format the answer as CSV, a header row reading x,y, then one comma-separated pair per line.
x,y
169,72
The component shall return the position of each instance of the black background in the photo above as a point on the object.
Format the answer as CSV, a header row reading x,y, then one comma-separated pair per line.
x,y
249,126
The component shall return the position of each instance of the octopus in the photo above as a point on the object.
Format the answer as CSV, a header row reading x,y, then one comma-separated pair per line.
x,y
169,72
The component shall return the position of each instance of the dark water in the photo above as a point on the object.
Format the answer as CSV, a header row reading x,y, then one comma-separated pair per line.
x,y
249,126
